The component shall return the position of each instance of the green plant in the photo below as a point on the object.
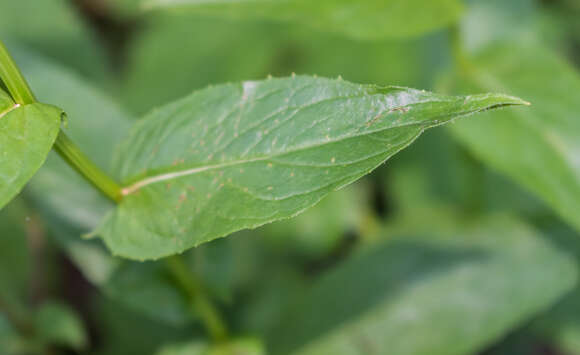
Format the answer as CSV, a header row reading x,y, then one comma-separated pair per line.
x,y
446,273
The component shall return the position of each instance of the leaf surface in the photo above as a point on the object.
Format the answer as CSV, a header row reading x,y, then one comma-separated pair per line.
x,y
538,148
27,134
475,284
362,19
241,155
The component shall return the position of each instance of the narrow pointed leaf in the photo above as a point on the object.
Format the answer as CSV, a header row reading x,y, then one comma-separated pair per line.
x,y
362,19
240,155
27,134
538,148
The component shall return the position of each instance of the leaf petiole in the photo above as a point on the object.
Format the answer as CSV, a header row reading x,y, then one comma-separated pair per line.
x,y
84,166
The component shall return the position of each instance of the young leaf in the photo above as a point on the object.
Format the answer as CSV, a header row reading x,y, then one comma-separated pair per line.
x,y
241,155
474,285
537,148
27,134
362,19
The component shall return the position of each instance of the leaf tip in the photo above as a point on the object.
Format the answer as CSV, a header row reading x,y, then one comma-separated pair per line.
x,y
494,101
515,101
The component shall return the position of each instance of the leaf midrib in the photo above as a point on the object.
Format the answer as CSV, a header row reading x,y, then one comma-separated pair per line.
x,y
134,187
10,109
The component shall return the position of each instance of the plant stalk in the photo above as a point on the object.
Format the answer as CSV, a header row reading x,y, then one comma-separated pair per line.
x,y
13,79
200,302
21,93
71,153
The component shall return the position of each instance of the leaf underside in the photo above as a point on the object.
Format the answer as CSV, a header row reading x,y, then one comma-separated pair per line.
x,y
238,156
27,134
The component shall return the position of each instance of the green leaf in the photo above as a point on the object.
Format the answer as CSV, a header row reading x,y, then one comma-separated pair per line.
x,y
58,324
240,346
362,19
453,292
538,148
27,134
241,155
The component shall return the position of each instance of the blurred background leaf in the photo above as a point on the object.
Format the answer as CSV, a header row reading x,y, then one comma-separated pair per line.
x,y
424,199
172,56
364,19
538,148
54,28
57,323
242,346
405,286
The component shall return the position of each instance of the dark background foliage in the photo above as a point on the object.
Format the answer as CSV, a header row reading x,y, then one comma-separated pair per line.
x,y
464,243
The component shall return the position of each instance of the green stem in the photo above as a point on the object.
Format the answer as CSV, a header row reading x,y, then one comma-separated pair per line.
x,y
84,166
200,302
21,93
13,79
